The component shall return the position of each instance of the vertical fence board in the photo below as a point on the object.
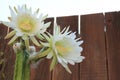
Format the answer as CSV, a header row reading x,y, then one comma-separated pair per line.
x,y
42,72
113,44
59,72
92,32
7,66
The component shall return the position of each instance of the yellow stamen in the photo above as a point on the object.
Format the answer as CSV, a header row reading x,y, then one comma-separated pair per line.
x,y
61,49
25,26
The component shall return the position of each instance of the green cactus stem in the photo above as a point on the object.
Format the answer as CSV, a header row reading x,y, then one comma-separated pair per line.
x,y
22,67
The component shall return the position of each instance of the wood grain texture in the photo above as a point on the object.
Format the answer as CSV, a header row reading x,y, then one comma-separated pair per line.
x,y
9,56
59,73
113,44
42,72
92,31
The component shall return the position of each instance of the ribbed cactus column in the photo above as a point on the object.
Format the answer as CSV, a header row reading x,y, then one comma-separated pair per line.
x,y
22,66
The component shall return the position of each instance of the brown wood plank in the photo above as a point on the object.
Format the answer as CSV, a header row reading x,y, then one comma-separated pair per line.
x,y
42,72
92,31
113,44
59,73
8,56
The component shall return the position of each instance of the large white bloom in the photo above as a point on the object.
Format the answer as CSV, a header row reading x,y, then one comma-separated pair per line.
x,y
64,46
25,24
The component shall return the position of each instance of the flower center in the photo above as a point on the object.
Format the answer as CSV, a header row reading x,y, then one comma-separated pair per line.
x,y
62,47
25,26
26,23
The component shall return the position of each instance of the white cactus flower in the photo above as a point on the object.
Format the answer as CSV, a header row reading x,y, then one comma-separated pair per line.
x,y
65,48
26,24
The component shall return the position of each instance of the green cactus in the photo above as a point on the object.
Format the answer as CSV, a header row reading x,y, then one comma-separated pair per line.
x,y
22,67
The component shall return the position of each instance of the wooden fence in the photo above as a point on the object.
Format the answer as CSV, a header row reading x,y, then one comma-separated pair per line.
x,y
101,35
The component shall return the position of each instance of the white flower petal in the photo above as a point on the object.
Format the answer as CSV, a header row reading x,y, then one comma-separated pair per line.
x,y
59,59
36,13
49,56
45,44
63,30
80,42
40,17
12,12
44,17
66,67
79,59
8,24
19,34
71,62
47,25
64,60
